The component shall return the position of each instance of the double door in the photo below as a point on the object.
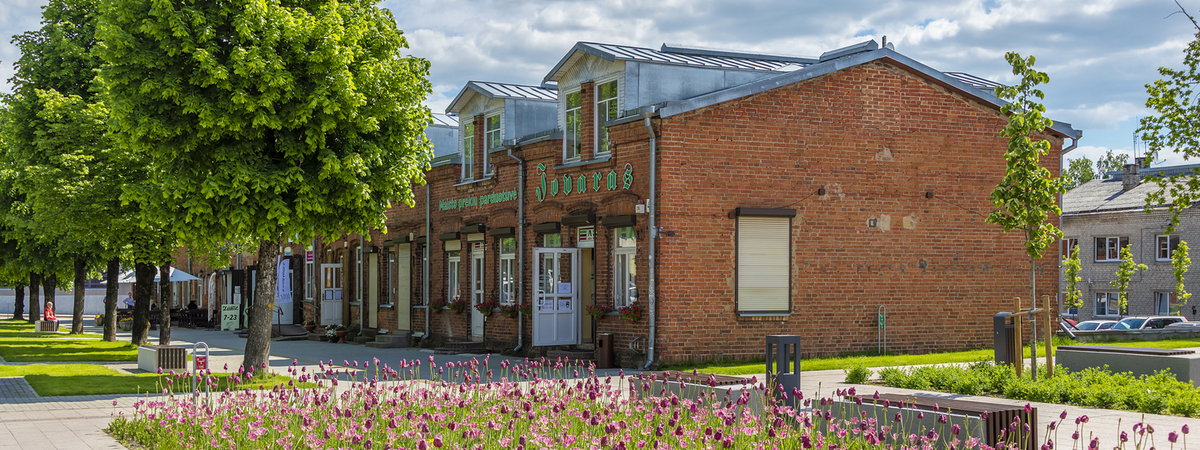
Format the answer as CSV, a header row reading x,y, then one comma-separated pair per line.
x,y
556,303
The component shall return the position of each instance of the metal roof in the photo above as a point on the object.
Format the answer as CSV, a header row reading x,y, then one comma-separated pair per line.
x,y
503,90
676,55
973,80
444,120
1106,195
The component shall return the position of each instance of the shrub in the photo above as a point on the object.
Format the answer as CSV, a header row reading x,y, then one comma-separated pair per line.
x,y
859,374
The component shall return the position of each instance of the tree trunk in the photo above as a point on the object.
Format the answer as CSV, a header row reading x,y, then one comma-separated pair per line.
x,y
258,340
77,291
35,282
19,307
142,286
164,304
1032,321
110,299
49,285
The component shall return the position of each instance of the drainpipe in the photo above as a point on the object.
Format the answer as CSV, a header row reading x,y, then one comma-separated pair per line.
x,y
509,144
647,112
425,262
362,299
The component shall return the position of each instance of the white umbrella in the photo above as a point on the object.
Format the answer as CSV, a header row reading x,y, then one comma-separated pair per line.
x,y
176,275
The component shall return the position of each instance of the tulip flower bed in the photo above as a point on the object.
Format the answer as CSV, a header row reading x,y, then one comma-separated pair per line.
x,y
538,404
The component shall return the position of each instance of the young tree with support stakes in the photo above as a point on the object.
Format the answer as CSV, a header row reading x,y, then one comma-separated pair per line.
x,y
266,121
1027,195
1125,272
1072,296
1180,262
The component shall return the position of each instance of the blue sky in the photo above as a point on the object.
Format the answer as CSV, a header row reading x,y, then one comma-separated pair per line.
x,y
1099,54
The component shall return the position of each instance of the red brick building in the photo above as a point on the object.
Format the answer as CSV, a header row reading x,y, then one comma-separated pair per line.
x,y
726,195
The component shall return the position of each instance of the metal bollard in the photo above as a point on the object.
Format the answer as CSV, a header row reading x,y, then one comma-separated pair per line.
x,y
779,364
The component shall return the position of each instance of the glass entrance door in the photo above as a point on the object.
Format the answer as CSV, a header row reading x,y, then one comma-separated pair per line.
x,y
556,305
476,291
331,298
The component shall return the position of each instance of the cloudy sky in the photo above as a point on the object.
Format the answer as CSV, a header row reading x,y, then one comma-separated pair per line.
x,y
1099,53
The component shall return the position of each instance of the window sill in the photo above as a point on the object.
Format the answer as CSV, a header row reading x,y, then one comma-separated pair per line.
x,y
388,306
764,314
567,165
355,303
1108,261
470,182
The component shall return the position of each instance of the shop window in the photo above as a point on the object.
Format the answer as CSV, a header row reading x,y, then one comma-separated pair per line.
x,y
452,261
625,290
1166,304
574,130
389,277
508,249
1106,304
468,151
764,264
606,110
1109,248
491,139
1069,246
1166,246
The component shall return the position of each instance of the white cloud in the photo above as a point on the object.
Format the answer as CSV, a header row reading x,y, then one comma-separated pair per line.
x,y
1104,117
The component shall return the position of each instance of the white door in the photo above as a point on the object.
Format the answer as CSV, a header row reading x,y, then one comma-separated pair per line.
x,y
556,304
331,297
476,290
373,290
402,288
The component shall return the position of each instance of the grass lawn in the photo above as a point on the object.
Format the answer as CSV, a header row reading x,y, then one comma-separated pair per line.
x,y
51,380
65,349
23,329
873,359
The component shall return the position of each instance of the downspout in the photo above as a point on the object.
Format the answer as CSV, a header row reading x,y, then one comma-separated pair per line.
x,y
647,112
425,262
358,285
509,144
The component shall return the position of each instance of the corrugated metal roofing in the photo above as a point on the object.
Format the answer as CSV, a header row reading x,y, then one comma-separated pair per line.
x,y
1106,195
505,90
645,54
973,80
445,120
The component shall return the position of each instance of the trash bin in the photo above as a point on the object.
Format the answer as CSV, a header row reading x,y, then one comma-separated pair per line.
x,y
1004,339
604,351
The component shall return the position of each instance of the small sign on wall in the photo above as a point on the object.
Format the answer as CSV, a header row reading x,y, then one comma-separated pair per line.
x,y
230,316
585,237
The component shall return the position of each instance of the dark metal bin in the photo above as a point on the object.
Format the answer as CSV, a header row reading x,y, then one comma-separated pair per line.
x,y
604,351
1004,339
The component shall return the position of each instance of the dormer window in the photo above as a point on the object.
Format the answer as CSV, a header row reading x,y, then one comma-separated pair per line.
x,y
606,110
491,139
468,151
574,130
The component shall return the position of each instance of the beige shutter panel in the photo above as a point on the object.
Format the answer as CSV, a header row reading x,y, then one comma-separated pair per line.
x,y
763,264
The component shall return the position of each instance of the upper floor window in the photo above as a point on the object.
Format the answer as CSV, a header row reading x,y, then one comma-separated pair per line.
x,y
1166,246
468,152
606,110
1069,246
1109,248
574,130
491,139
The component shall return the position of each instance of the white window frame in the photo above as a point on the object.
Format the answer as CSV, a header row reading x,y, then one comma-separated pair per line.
x,y
507,272
624,269
492,138
1161,298
1163,248
1064,310
572,154
389,258
1069,245
759,253
358,274
453,267
468,151
1111,253
308,277
1111,300
602,146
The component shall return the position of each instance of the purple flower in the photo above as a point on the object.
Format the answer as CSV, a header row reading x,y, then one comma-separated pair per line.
x,y
1063,415
1172,436
1028,408
955,429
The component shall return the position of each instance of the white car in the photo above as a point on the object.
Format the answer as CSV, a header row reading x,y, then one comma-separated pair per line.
x,y
1093,325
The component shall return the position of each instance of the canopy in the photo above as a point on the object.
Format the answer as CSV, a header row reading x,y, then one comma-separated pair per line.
x,y
176,275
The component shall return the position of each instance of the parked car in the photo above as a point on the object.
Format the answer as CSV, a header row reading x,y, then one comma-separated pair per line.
x,y
1090,325
1184,325
1147,323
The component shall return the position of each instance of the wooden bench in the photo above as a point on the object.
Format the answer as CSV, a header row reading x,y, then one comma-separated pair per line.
x,y
999,416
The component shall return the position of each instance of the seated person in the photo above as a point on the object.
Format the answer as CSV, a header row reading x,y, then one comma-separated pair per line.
x,y
192,305
48,314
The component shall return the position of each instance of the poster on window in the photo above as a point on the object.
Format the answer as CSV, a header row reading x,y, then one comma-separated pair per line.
x,y
564,288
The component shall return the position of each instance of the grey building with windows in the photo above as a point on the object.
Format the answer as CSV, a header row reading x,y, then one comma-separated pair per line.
x,y
1103,216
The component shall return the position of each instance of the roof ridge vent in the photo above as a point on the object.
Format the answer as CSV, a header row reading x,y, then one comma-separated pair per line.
x,y
705,51
850,50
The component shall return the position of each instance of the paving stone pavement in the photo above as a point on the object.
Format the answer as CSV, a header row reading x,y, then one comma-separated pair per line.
x,y
13,388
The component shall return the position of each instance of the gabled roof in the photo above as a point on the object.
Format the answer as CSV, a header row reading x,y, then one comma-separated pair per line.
x,y
1105,195
843,59
501,90
444,120
677,55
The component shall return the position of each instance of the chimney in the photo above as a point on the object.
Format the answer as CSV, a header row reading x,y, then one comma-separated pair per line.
x,y
1130,179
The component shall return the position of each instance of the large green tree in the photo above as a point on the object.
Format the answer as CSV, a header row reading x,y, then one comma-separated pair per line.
x,y
1028,194
1111,162
1078,171
266,120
